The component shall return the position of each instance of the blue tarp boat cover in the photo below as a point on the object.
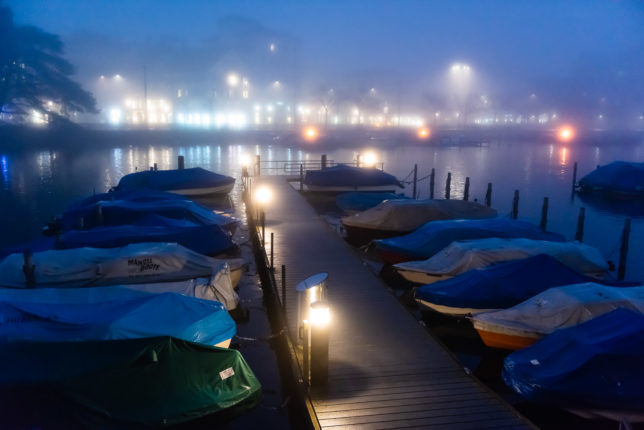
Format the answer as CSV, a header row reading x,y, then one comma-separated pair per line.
x,y
343,175
123,212
361,201
128,315
437,235
502,285
133,195
617,177
179,179
597,365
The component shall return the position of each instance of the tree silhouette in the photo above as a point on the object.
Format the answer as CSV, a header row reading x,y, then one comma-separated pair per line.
x,y
34,73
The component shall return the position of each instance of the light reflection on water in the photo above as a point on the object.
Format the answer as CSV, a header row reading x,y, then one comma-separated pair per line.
x,y
5,172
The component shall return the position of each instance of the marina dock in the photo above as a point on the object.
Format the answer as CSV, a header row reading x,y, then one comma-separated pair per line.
x,y
385,369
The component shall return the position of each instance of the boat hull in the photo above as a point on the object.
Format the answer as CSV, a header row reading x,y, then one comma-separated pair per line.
x,y
450,310
503,338
359,236
205,191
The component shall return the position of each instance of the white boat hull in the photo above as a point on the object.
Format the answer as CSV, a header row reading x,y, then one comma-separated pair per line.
x,y
345,189
449,310
222,189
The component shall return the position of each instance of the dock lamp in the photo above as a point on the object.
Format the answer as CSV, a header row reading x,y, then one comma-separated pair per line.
x,y
319,320
263,196
310,290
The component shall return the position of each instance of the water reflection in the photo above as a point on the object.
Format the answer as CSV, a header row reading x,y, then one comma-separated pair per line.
x,y
4,165
44,166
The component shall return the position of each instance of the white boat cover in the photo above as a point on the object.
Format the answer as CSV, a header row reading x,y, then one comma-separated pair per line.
x,y
566,306
459,257
100,313
407,215
85,267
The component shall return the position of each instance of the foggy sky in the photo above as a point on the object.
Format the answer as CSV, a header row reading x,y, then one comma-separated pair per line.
x,y
513,46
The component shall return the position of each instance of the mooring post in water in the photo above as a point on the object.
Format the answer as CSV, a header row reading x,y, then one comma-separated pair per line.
x,y
284,288
579,235
413,196
180,162
358,160
623,250
574,177
544,213
257,165
488,195
323,161
448,185
319,320
432,178
515,205
29,270
466,193
156,167
272,268
301,177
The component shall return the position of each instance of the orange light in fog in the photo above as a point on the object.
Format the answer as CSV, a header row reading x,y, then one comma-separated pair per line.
x,y
423,133
310,134
566,133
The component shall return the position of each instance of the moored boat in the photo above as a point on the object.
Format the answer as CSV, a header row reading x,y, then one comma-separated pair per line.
x,y
459,257
353,202
593,369
190,182
620,179
342,178
556,308
398,217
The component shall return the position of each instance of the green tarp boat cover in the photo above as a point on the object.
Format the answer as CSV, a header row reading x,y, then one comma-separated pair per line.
x,y
150,381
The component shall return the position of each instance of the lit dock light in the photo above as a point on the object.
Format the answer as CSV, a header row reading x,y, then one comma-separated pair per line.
x,y
310,134
369,159
320,314
244,161
263,195
232,80
423,133
566,133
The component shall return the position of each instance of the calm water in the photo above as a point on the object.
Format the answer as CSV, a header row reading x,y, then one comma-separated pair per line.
x,y
36,185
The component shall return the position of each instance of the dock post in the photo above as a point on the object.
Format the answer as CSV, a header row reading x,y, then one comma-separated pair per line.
x,y
301,177
319,319
579,235
623,250
284,288
574,177
358,160
262,221
432,177
180,161
156,167
544,213
29,270
257,165
448,185
415,180
466,193
323,161
515,205
488,195
306,353
99,214
272,267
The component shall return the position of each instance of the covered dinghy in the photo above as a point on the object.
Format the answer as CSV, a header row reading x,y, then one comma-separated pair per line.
x,y
497,287
32,316
436,235
397,217
460,257
594,368
554,309
342,178
189,182
620,178
157,381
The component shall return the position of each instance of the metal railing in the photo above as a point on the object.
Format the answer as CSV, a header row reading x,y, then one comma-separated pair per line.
x,y
292,168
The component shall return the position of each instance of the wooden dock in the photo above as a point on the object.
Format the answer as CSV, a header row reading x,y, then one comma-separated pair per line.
x,y
385,369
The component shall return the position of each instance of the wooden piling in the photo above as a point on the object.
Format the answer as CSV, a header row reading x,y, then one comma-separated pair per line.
x,y
448,185
623,250
466,193
488,195
415,180
574,177
579,235
301,177
284,288
515,205
358,160
544,214
432,178
323,161
156,167
272,238
29,269
181,162
258,165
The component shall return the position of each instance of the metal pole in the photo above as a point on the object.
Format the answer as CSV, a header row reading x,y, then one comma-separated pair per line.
x,y
257,165
323,161
574,177
284,287
272,268
358,160
579,235
448,185
466,193
301,177
305,354
623,251
431,183
29,270
262,220
488,195
515,205
415,180
544,213
181,162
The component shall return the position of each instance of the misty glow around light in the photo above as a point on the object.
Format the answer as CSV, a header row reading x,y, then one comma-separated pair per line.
x,y
566,133
263,195
232,80
310,134
369,159
423,133
319,314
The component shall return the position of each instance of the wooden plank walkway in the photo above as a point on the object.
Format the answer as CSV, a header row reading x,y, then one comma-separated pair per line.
x,y
385,369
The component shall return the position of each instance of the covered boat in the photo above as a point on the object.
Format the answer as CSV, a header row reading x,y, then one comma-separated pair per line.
x,y
397,217
460,257
559,307
140,195
121,314
342,178
436,235
617,179
190,182
361,201
156,381
499,286
126,212
593,369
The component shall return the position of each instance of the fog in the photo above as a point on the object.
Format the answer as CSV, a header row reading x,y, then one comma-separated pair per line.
x,y
355,62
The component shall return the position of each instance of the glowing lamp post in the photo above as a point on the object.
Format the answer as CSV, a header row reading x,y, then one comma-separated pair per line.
x,y
310,134
423,133
263,196
566,133
320,319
